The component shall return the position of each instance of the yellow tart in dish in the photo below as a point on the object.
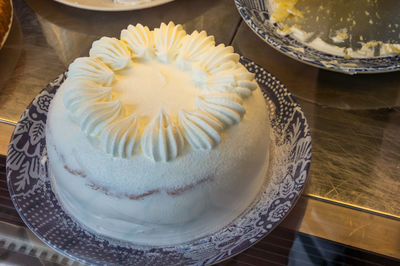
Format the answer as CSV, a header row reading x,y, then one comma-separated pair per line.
x,y
158,137
338,35
5,19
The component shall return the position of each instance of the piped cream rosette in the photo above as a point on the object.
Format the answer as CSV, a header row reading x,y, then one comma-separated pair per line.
x,y
216,69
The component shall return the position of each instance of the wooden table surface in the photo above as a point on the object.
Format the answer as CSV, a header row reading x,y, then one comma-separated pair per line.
x,y
354,120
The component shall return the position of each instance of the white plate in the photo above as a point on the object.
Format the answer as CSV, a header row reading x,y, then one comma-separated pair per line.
x,y
109,5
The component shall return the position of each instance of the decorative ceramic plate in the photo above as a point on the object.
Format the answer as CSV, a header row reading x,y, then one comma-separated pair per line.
x,y
29,185
256,15
109,5
3,37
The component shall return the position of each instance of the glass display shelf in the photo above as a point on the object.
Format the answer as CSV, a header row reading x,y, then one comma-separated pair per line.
x,y
351,202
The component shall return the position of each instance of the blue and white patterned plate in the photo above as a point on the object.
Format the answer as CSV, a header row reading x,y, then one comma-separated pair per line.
x,y
256,15
29,185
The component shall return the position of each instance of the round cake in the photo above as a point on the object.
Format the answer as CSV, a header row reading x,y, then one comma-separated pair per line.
x,y
157,138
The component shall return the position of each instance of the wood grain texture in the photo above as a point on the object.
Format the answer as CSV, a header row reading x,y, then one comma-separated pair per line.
x,y
5,136
352,227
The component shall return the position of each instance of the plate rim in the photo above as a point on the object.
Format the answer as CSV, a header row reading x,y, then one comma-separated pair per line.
x,y
132,245
118,7
240,6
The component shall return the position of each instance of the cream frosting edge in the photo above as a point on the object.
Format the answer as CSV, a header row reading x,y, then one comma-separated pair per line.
x,y
215,68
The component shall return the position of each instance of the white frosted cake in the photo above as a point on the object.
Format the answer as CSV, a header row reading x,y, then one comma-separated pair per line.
x,y
158,137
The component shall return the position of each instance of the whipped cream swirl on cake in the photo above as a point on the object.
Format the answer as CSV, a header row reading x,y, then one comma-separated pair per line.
x,y
220,82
